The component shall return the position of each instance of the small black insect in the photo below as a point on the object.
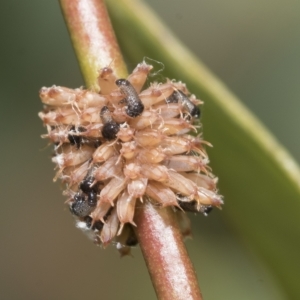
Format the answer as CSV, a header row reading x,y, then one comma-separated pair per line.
x,y
180,97
92,198
173,98
97,226
134,104
110,127
86,184
73,136
191,206
81,206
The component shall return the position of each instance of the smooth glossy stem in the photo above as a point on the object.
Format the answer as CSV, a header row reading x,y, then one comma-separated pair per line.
x,y
160,239
169,265
93,39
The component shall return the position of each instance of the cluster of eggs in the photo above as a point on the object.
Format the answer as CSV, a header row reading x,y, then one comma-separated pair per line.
x,y
128,144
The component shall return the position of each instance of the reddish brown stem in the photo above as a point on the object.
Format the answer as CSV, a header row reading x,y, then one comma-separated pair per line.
x,y
170,268
93,38
160,239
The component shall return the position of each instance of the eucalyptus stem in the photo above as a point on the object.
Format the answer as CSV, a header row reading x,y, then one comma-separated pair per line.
x,y
169,265
93,39
170,268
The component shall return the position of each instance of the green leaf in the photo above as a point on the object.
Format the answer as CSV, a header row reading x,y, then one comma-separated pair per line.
x,y
259,179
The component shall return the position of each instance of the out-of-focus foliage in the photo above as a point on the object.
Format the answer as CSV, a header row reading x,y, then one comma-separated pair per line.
x,y
254,47
257,175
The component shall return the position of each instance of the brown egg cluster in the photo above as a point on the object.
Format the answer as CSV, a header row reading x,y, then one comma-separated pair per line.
x,y
124,145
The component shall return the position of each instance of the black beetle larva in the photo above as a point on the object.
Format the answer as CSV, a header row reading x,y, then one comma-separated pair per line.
x,y
110,127
134,104
80,206
180,97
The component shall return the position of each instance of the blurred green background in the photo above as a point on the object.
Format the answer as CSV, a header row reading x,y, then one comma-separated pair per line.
x,y
253,46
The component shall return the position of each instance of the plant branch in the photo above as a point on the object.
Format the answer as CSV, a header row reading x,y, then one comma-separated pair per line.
x,y
93,39
159,235
161,241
